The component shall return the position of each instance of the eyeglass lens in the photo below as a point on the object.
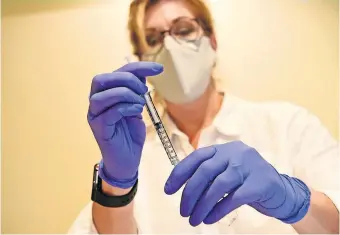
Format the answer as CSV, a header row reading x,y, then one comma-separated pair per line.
x,y
182,30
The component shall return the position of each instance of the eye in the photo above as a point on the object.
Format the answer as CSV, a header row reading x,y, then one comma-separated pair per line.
x,y
153,38
152,41
185,31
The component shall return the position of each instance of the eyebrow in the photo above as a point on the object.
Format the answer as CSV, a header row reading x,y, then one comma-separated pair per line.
x,y
174,20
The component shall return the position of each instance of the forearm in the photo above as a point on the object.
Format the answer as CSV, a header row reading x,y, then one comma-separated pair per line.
x,y
322,216
114,220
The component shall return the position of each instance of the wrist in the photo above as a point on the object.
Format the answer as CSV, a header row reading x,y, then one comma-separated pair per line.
x,y
298,197
114,182
114,191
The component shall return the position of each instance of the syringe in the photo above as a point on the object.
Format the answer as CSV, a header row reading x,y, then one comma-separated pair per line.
x,y
158,124
163,135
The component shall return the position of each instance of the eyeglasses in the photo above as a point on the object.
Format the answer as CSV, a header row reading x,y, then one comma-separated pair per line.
x,y
183,30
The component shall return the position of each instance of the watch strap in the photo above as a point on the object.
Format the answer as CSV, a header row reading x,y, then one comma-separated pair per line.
x,y
101,198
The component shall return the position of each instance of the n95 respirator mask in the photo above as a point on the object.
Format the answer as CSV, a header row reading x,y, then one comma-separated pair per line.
x,y
187,69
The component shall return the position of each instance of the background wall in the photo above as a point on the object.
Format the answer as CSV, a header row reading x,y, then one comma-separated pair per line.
x,y
269,49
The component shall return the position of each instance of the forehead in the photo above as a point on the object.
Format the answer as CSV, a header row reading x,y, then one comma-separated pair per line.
x,y
161,15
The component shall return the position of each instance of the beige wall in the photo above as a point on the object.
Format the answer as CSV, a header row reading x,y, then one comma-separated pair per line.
x,y
269,49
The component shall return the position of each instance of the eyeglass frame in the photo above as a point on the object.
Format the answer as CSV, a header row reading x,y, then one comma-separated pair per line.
x,y
163,33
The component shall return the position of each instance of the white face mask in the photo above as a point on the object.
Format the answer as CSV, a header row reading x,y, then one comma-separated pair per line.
x,y
187,70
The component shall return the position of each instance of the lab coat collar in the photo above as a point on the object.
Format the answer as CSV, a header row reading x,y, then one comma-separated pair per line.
x,y
226,121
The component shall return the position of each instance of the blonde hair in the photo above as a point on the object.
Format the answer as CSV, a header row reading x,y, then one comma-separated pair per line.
x,y
137,11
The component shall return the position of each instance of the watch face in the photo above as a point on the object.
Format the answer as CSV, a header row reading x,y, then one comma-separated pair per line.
x,y
96,180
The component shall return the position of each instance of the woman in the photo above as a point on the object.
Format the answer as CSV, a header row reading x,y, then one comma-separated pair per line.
x,y
246,168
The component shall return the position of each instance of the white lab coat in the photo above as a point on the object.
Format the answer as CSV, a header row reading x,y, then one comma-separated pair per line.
x,y
289,137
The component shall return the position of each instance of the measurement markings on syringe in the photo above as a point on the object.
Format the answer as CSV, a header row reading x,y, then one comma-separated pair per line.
x,y
166,143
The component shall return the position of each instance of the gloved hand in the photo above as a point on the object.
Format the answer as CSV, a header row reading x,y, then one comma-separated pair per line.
x,y
115,119
239,171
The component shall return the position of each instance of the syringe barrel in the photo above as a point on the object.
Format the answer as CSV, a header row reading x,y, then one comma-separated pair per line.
x,y
163,136
151,108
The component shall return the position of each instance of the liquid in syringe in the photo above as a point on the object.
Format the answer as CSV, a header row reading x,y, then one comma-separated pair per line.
x,y
157,123
163,135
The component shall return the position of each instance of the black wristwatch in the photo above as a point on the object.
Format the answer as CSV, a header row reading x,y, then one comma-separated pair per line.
x,y
109,201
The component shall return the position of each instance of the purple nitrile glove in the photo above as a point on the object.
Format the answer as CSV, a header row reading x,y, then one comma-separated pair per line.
x,y
239,171
115,119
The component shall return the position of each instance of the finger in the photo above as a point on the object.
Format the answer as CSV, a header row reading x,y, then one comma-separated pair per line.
x,y
122,110
186,168
115,113
105,123
142,68
231,202
198,183
223,184
107,81
136,123
101,101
